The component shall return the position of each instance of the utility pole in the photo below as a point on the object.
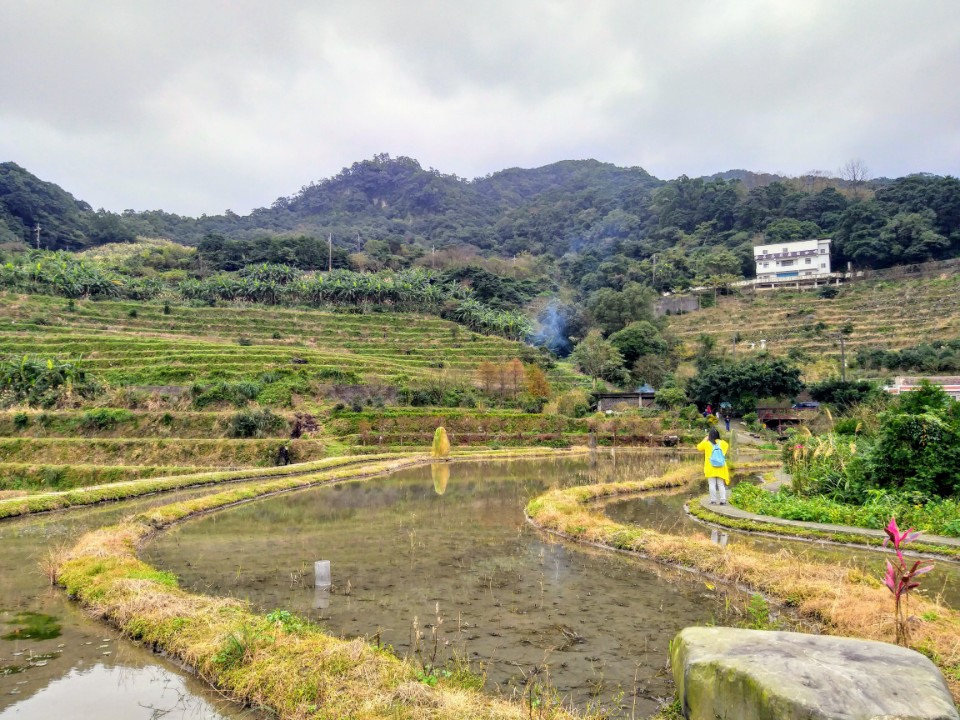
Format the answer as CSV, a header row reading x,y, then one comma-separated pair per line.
x,y
36,229
843,356
329,252
843,361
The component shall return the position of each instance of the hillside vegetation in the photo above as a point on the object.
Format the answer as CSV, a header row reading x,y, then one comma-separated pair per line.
x,y
165,388
870,314
589,225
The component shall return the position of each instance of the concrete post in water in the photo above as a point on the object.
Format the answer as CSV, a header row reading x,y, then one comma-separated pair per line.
x,y
321,584
321,574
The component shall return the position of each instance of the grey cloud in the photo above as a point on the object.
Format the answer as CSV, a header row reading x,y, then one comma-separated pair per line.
x,y
200,106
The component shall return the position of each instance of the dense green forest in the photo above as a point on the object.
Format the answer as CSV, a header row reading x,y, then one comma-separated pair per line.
x,y
601,225
596,239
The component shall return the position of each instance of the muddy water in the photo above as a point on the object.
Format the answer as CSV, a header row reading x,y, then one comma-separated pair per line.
x,y
664,511
55,662
449,554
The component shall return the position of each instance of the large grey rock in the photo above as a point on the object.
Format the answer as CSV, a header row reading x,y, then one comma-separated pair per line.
x,y
732,674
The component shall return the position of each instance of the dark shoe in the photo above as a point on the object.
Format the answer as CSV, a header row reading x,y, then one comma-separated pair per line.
x,y
713,502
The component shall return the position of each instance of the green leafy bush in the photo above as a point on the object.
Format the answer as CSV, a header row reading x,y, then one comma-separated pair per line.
x,y
670,398
255,424
917,446
104,418
844,394
43,383
940,516
234,393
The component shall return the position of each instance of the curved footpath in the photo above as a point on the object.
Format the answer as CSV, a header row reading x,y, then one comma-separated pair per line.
x,y
734,518
858,533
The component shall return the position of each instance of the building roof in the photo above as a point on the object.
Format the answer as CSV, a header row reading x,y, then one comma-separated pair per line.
x,y
934,379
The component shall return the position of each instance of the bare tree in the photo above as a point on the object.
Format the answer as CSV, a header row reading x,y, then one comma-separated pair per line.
x,y
856,173
813,181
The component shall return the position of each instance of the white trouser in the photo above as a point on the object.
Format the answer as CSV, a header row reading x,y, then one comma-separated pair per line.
x,y
717,488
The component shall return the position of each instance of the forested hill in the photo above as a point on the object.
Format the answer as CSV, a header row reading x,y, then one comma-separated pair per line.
x,y
593,225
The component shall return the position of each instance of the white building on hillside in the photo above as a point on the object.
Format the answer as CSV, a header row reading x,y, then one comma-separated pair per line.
x,y
793,261
950,384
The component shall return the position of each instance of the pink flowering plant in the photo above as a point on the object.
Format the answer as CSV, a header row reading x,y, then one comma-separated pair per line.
x,y
900,579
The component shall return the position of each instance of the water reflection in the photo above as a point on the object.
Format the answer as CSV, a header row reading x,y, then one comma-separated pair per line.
x,y
440,472
491,589
85,671
719,538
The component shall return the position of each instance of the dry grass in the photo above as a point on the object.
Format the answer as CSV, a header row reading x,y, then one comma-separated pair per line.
x,y
844,600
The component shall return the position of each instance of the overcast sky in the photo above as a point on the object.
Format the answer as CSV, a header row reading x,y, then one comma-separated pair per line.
x,y
196,106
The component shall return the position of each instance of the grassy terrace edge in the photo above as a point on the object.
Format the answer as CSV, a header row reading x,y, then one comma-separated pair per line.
x,y
294,669
78,497
793,531
844,600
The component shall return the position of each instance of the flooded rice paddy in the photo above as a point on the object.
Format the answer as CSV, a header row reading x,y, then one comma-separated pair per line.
x,y
437,562
440,564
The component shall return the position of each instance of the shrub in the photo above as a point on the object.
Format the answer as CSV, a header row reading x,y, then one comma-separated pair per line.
x,y
574,403
847,426
43,383
339,376
21,421
670,398
844,395
917,445
244,341
828,292
104,418
254,424
235,393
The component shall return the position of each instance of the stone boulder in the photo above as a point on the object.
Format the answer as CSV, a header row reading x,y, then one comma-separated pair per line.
x,y
732,674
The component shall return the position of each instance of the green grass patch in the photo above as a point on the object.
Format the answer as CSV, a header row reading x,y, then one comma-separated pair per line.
x,y
940,517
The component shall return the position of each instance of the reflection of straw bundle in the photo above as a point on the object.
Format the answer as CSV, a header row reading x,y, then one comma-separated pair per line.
x,y
441,476
441,444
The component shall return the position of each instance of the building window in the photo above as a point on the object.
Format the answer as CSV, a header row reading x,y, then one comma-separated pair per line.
x,y
786,250
809,261
823,265
823,251
766,264
786,263
764,251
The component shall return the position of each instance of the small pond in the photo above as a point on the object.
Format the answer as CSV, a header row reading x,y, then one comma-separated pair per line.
x,y
446,550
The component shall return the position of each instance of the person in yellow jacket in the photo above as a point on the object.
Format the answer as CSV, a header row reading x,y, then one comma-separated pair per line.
x,y
713,472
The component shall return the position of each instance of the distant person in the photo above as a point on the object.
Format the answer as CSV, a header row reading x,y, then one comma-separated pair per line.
x,y
726,420
715,465
283,456
708,411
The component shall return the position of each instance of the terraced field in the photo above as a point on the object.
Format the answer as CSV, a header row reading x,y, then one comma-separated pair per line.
x,y
136,343
888,314
169,369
